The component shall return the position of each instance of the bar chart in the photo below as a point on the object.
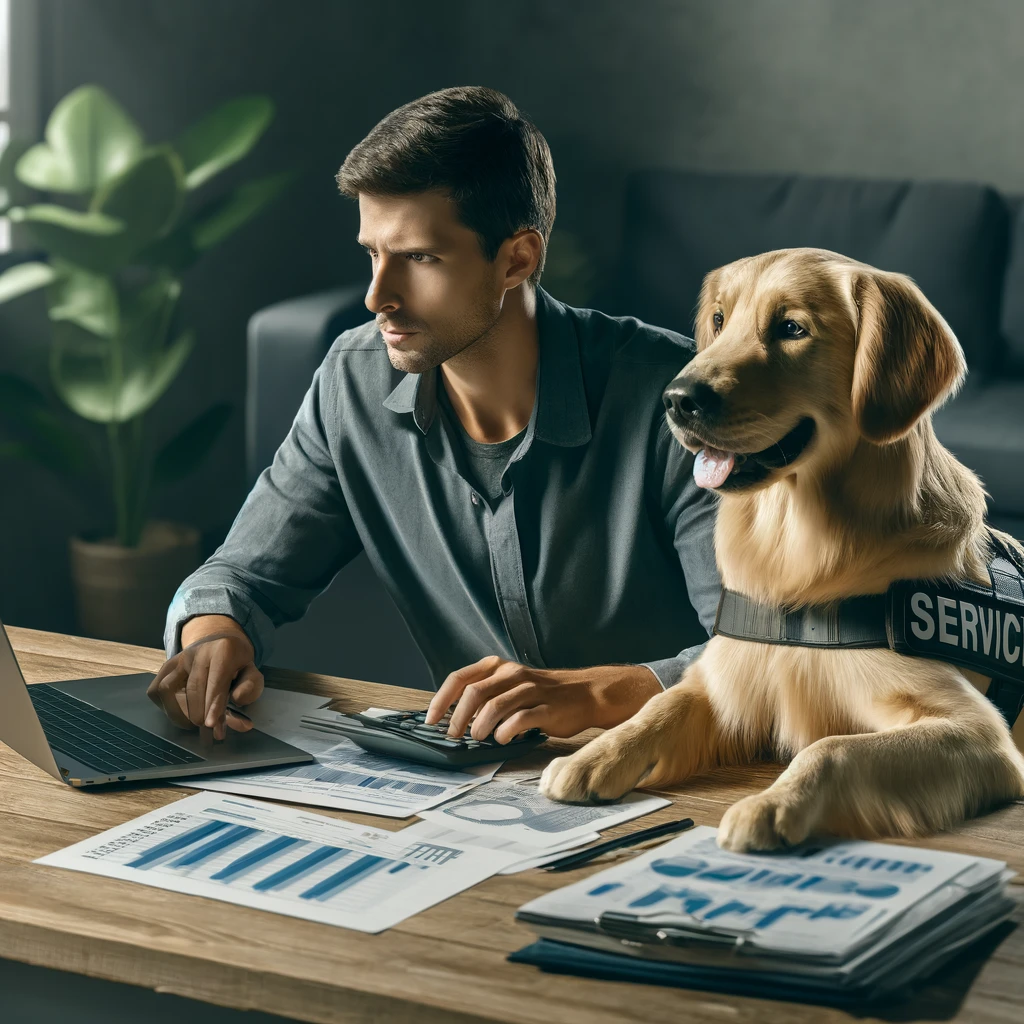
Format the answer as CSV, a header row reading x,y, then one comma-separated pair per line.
x,y
276,865
297,863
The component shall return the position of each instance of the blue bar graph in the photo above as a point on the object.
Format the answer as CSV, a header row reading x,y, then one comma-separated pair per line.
x,y
193,835
299,867
345,878
248,860
234,835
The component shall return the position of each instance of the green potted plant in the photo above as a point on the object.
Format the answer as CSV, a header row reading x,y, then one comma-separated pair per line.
x,y
110,261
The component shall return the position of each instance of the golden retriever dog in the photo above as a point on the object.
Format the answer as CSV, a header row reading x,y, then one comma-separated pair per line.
x,y
823,371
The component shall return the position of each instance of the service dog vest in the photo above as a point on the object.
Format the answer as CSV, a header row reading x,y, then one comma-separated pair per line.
x,y
977,627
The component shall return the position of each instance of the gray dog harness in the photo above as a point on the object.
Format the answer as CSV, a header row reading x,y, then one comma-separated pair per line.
x,y
977,627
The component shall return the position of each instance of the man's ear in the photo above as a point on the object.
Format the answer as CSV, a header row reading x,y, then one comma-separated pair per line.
x,y
907,357
704,329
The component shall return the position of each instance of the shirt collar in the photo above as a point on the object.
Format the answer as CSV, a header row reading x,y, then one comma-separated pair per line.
x,y
561,414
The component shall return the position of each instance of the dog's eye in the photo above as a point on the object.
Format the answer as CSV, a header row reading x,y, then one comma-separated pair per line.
x,y
718,320
791,329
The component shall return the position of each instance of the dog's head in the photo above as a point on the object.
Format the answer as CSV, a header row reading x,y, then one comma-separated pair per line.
x,y
803,354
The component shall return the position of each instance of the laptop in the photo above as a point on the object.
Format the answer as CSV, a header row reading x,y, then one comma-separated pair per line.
x,y
86,732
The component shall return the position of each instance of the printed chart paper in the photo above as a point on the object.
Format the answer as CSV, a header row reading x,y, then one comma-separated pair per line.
x,y
521,813
282,860
346,777
530,856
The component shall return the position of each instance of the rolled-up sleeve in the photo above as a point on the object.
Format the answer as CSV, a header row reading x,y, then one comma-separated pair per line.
x,y
690,519
291,536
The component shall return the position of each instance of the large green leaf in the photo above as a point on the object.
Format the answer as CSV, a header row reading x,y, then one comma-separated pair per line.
x,y
147,197
183,453
24,277
228,213
42,437
85,373
223,137
147,311
89,140
85,298
89,240
12,191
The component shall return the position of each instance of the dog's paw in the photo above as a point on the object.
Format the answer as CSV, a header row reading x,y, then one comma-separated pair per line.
x,y
596,774
765,821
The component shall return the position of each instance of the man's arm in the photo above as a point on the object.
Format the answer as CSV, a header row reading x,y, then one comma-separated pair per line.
x,y
291,536
690,519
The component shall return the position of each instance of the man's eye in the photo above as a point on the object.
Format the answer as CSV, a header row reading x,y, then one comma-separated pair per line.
x,y
718,320
791,329
419,257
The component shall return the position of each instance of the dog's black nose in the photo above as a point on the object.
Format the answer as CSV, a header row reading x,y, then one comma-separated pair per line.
x,y
687,399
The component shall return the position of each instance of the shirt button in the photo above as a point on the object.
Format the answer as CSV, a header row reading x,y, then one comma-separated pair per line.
x,y
475,498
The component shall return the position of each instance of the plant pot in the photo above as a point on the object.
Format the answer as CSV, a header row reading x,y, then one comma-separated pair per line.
x,y
123,593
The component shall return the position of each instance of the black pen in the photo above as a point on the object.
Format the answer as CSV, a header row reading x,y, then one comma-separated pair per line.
x,y
574,860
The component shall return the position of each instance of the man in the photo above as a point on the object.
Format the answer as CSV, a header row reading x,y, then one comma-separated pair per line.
x,y
502,459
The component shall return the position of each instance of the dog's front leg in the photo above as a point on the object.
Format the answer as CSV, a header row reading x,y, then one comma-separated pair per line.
x,y
674,735
903,781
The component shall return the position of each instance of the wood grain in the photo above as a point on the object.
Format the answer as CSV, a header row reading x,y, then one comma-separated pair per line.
x,y
447,964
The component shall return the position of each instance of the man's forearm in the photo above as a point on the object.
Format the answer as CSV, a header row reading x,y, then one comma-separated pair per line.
x,y
620,691
206,625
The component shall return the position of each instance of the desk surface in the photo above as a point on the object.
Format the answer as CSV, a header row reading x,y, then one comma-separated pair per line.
x,y
447,964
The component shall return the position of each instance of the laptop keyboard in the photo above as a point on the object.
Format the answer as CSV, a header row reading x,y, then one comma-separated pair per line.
x,y
99,739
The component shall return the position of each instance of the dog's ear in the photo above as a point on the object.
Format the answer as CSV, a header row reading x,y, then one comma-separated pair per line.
x,y
907,358
704,328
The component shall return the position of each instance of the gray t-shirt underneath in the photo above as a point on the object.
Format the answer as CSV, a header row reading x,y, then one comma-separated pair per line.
x,y
486,461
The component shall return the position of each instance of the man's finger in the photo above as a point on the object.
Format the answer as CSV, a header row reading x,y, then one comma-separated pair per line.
x,y
195,690
522,720
248,686
165,695
167,667
500,707
218,684
475,695
451,689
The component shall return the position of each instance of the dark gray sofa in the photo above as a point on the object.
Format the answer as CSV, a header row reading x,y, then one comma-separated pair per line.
x,y
962,243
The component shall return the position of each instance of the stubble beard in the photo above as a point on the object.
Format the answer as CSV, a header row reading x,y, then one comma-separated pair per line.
x,y
434,350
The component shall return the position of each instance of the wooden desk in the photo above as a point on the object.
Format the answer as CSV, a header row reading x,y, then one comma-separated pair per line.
x,y
447,964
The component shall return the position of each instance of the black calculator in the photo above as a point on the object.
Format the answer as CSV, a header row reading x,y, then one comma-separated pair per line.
x,y
406,734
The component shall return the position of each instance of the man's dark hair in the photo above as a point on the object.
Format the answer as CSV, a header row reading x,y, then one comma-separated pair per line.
x,y
471,142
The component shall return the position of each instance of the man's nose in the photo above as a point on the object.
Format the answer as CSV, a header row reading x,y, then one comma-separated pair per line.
x,y
688,399
382,296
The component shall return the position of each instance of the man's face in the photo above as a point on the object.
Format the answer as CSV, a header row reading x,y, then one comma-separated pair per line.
x,y
433,291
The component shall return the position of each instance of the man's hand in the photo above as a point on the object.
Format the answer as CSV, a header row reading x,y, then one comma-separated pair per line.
x,y
507,698
194,686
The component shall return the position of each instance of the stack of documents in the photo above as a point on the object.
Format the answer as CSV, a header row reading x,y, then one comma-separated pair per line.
x,y
835,923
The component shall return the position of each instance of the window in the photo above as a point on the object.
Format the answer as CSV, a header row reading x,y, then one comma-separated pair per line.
x,y
5,90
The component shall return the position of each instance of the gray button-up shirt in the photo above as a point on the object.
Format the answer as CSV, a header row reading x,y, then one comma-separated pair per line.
x,y
600,550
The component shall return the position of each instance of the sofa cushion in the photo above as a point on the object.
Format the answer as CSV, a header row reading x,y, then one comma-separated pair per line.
x,y
1013,299
984,427
951,238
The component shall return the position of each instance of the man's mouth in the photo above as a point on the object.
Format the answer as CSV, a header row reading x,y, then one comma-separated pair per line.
x,y
394,336
716,469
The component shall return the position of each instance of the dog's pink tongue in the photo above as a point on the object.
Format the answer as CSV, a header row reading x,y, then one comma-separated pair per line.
x,y
711,467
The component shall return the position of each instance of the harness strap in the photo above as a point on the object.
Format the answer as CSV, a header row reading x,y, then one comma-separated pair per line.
x,y
853,622
965,623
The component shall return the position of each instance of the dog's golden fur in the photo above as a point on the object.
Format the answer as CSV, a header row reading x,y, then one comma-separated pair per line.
x,y
881,744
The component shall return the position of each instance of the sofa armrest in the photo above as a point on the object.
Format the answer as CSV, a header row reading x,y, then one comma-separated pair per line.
x,y
286,343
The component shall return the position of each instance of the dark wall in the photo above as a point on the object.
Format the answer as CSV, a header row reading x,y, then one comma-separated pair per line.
x,y
918,89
